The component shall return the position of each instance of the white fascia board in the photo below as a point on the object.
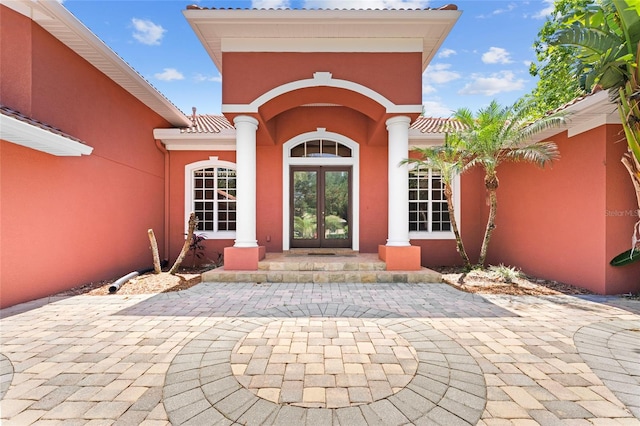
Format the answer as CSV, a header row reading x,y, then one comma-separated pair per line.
x,y
199,145
405,109
34,137
322,45
591,122
174,140
419,139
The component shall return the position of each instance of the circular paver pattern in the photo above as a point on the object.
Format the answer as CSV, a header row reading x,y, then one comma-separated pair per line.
x,y
201,388
611,350
323,362
6,374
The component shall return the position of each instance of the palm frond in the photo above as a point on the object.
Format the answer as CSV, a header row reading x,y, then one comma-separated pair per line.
x,y
538,153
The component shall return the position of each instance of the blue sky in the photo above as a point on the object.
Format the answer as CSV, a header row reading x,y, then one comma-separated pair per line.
x,y
486,56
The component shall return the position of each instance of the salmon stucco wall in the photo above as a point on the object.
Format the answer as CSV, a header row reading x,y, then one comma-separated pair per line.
x,y
397,76
67,221
553,222
621,213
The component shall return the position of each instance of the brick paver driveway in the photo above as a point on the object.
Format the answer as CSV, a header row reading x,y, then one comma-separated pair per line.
x,y
321,354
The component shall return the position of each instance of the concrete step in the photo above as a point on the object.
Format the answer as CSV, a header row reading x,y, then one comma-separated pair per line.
x,y
323,276
321,260
317,265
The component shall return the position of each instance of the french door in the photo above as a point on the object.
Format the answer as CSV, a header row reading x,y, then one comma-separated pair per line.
x,y
320,207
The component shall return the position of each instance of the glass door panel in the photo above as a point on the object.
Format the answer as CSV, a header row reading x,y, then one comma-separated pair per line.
x,y
336,205
305,205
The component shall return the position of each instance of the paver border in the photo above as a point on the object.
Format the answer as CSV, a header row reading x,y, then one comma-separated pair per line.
x,y
6,374
448,387
599,346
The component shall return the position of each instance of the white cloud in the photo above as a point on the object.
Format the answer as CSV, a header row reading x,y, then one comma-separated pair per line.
x,y
169,74
436,109
445,53
509,8
270,4
496,55
201,77
503,81
427,88
146,32
440,74
547,11
368,4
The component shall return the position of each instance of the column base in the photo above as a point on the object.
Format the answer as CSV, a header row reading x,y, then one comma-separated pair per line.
x,y
405,258
243,258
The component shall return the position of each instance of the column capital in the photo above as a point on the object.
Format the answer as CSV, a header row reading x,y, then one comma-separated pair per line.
x,y
398,119
242,119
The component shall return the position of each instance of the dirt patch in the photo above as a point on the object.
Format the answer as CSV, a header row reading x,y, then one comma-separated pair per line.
x,y
149,283
487,281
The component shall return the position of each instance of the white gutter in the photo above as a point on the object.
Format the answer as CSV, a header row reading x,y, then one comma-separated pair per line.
x,y
34,137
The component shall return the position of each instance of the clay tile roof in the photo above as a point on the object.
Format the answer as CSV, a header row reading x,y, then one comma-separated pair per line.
x,y
32,121
574,101
196,7
206,123
436,125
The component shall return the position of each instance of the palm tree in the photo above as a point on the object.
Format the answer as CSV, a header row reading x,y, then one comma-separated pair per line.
x,y
606,37
450,159
496,134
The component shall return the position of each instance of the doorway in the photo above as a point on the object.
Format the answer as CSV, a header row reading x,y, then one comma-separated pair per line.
x,y
320,207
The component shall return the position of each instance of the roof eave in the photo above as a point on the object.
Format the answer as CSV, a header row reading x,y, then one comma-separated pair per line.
x,y
587,114
39,139
361,24
63,25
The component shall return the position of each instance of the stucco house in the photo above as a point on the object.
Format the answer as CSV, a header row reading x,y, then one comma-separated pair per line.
x,y
304,156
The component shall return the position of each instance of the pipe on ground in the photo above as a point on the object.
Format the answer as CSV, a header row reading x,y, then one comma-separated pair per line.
x,y
122,280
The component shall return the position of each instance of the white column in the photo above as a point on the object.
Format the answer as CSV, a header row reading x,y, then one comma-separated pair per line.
x,y
245,181
398,209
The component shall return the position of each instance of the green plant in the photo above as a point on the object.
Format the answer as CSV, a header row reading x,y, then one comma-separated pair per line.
x,y
196,248
507,274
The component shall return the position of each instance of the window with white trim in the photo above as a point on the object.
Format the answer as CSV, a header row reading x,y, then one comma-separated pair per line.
x,y
211,194
428,208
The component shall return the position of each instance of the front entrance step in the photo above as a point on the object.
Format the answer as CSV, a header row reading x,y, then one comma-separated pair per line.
x,y
318,261
341,267
341,276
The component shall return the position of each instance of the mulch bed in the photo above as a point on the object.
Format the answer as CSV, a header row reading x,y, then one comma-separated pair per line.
x,y
486,281
149,283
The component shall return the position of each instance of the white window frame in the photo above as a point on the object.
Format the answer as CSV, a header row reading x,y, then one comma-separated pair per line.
x,y
188,195
440,235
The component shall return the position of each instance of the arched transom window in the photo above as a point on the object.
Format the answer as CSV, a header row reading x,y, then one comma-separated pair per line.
x,y
320,148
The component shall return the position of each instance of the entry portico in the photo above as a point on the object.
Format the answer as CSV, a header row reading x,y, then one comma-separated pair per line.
x,y
322,102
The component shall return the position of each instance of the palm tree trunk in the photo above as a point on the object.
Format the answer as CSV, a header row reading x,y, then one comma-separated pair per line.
x,y
193,222
448,193
491,224
154,250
